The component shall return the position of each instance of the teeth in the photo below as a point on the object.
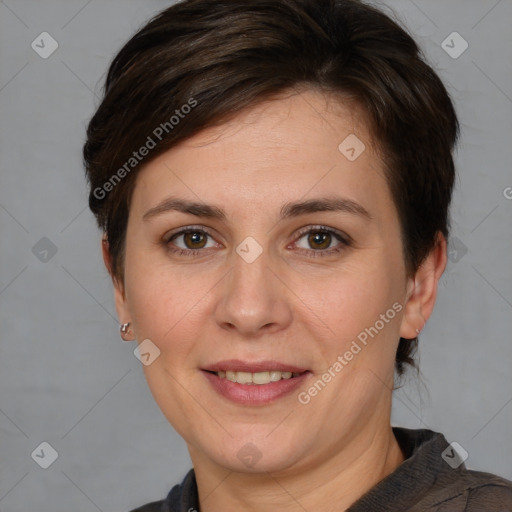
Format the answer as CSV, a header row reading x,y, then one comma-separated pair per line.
x,y
275,376
255,378
243,377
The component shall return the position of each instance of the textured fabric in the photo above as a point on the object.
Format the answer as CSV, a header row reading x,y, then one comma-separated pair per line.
x,y
424,482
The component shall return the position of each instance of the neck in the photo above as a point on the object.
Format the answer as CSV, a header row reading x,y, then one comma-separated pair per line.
x,y
337,482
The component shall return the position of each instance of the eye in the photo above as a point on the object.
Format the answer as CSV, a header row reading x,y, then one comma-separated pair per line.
x,y
320,240
194,240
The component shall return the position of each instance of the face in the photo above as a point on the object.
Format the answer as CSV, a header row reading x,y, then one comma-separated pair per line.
x,y
291,260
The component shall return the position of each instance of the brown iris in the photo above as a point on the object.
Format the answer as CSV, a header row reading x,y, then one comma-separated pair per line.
x,y
319,237
194,237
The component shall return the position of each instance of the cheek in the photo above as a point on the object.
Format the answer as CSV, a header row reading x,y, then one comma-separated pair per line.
x,y
352,294
358,305
167,304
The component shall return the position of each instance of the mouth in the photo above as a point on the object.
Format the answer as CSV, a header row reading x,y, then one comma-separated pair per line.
x,y
255,383
257,378
262,372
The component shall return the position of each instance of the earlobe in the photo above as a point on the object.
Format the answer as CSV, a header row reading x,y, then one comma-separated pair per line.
x,y
422,290
126,332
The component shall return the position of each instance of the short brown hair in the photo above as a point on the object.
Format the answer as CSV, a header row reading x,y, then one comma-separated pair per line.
x,y
221,57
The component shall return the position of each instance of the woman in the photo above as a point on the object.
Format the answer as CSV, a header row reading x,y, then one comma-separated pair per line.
x,y
273,181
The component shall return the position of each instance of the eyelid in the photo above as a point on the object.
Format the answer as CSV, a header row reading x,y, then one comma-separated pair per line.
x,y
344,239
301,232
179,231
319,227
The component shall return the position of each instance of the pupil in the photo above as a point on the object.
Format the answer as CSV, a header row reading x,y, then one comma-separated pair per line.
x,y
319,238
195,237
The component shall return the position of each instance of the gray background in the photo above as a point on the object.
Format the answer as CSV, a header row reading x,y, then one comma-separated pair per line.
x,y
65,375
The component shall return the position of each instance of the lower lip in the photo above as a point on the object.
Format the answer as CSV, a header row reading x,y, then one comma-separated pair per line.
x,y
255,394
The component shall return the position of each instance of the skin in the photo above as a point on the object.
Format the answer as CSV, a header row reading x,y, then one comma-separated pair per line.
x,y
287,305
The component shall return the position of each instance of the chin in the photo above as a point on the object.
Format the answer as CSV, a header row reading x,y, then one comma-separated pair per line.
x,y
256,454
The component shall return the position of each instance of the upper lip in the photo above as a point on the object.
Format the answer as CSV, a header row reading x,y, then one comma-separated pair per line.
x,y
237,365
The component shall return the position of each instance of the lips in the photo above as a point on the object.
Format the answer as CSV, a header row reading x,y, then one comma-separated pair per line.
x,y
237,365
254,393
254,383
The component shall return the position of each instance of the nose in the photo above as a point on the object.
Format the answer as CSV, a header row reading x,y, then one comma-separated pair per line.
x,y
254,301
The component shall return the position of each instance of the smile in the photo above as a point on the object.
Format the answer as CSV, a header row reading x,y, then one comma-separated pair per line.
x,y
257,378
255,389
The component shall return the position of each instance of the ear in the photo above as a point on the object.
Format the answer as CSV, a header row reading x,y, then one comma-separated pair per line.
x,y
422,290
119,294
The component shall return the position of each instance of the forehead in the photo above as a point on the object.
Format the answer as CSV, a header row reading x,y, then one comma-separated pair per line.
x,y
296,144
294,118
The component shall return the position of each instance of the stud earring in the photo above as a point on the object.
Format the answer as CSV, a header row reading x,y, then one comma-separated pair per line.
x,y
124,328
418,330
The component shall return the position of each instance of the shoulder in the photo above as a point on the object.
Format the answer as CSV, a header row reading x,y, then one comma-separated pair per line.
x,y
154,506
488,492
434,478
182,496
472,491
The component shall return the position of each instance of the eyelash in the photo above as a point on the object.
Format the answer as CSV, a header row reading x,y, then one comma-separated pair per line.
x,y
345,240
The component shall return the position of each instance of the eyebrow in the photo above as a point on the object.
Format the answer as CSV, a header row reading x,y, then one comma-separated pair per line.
x,y
288,210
